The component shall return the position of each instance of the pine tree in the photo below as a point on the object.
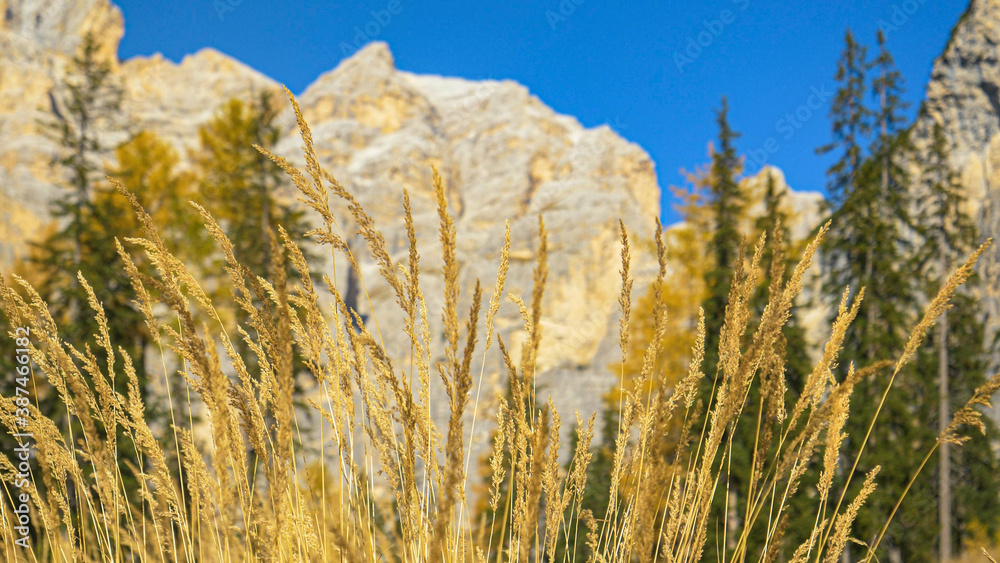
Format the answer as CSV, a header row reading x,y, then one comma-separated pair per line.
x,y
955,354
240,188
84,109
726,204
867,247
84,112
851,121
778,258
891,308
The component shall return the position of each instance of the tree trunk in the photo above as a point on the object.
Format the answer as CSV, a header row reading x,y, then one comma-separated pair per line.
x,y
944,401
944,461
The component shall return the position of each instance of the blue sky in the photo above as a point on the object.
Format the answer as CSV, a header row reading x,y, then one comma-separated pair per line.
x,y
654,71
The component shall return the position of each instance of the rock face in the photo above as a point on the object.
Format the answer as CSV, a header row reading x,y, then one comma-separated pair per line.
x,y
503,154
37,42
963,96
804,211
504,157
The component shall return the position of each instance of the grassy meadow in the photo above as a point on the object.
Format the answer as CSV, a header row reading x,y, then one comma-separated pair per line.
x,y
383,482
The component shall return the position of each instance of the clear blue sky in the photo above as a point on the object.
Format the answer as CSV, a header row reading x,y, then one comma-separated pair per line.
x,y
601,61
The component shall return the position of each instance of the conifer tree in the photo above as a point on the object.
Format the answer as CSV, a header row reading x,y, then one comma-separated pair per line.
x,y
240,185
777,254
955,354
83,110
851,121
149,167
81,247
887,278
867,247
726,204
241,189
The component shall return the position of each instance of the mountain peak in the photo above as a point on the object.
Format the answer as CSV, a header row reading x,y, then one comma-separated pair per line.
x,y
963,97
59,25
374,54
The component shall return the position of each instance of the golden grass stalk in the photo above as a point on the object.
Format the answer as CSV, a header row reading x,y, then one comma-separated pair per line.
x,y
374,477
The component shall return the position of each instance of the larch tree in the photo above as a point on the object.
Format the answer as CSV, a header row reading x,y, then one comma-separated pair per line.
x,y
240,186
149,167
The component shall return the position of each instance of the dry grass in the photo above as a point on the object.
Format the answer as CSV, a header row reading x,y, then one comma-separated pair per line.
x,y
282,503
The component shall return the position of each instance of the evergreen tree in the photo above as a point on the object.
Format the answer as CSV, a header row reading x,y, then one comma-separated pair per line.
x,y
726,204
955,356
867,247
240,188
851,120
84,112
887,276
780,261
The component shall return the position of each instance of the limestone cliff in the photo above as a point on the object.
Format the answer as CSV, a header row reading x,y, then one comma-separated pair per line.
x,y
504,155
963,95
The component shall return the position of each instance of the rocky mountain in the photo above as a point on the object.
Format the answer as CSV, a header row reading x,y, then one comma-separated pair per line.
x,y
504,155
963,95
37,42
